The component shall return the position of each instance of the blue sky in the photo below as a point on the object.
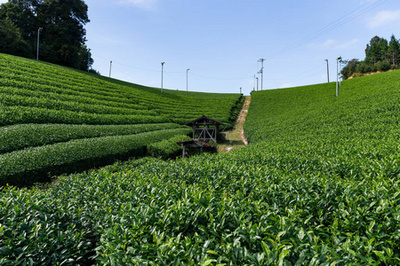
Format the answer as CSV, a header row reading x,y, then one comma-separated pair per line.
x,y
220,41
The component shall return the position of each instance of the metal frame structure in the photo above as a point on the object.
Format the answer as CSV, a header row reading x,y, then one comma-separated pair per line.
x,y
205,128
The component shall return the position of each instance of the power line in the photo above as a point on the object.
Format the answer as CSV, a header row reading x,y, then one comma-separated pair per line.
x,y
333,25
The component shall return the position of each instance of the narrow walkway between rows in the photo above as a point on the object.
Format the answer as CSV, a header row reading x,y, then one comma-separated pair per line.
x,y
236,137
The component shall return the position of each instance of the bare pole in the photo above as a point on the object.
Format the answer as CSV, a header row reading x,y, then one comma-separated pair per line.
x,y
109,74
337,74
37,48
257,83
187,79
327,68
162,76
88,61
262,71
340,71
337,77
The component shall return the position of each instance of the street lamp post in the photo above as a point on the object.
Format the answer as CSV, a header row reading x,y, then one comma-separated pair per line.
x,y
88,61
37,48
257,83
327,68
337,74
187,79
262,71
162,76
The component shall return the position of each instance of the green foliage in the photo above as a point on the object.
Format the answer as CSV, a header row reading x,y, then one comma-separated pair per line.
x,y
167,148
379,56
36,230
394,51
318,185
383,65
10,39
350,68
23,163
56,120
42,90
376,50
62,36
10,115
18,137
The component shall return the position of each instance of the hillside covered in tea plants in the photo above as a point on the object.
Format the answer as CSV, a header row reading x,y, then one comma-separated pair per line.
x,y
317,185
54,119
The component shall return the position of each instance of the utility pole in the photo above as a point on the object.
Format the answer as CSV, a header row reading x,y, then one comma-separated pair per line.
x,y
257,83
337,74
109,74
187,79
254,83
327,68
262,71
340,71
88,60
240,90
38,36
162,76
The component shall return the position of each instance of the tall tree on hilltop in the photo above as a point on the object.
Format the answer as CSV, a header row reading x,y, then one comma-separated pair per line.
x,y
63,31
62,40
11,40
376,50
394,50
22,14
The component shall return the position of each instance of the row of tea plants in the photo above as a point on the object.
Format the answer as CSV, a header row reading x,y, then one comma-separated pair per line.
x,y
54,119
317,185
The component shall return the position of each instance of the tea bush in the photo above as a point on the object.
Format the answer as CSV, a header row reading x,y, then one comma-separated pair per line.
x,y
24,162
167,148
317,185
17,137
81,107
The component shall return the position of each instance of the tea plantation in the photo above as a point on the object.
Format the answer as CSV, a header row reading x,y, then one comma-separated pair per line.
x,y
55,120
317,185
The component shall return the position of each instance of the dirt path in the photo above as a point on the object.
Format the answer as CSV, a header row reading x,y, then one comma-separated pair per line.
x,y
236,138
242,117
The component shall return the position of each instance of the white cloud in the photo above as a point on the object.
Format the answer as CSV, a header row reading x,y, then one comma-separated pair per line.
x,y
384,18
3,1
346,45
143,4
331,44
328,43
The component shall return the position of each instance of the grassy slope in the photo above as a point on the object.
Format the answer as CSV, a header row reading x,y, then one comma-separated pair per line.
x,y
314,110
49,111
354,134
317,184
64,88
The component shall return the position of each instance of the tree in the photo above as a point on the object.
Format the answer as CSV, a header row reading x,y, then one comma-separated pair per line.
x,y
62,40
394,51
23,14
10,39
64,33
376,50
350,68
383,65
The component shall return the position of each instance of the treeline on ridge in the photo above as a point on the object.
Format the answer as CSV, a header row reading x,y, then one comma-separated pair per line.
x,y
380,55
61,25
